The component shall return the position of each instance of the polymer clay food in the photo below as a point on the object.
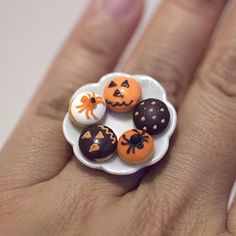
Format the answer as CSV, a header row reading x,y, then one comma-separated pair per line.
x,y
122,94
98,143
87,109
135,146
151,115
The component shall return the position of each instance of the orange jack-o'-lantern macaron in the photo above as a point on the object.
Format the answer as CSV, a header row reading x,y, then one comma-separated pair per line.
x,y
135,146
122,94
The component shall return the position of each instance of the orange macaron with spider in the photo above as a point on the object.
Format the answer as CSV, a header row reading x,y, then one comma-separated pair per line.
x,y
135,146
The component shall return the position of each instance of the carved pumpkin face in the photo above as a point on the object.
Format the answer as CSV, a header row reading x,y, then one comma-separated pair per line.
x,y
122,94
98,143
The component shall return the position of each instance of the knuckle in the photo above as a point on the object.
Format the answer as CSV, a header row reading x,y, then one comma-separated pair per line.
x,y
61,84
54,103
93,41
52,108
10,206
67,74
81,207
232,229
156,212
170,213
221,75
164,69
197,7
81,201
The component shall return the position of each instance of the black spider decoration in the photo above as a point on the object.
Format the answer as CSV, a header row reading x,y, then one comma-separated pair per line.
x,y
136,141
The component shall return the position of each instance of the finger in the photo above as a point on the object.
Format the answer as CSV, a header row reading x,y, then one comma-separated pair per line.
x,y
37,150
232,212
97,182
175,42
201,164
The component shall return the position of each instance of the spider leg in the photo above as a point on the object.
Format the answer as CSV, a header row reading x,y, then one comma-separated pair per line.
x,y
146,139
136,131
87,114
127,140
82,109
129,149
124,137
143,132
92,114
80,106
124,143
133,150
89,96
100,101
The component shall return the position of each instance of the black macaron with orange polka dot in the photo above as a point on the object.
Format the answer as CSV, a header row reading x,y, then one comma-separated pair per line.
x,y
151,115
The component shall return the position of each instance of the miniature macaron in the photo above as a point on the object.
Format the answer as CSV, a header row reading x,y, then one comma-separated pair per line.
x,y
87,109
98,143
122,94
135,146
151,115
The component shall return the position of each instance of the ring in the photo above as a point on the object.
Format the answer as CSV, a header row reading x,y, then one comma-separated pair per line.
x,y
120,124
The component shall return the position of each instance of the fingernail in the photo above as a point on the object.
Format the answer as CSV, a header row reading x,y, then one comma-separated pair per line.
x,y
119,7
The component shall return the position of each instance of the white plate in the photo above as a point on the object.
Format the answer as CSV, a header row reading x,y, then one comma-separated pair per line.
x,y
120,122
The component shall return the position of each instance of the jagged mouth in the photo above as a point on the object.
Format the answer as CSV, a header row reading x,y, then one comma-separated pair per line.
x,y
119,104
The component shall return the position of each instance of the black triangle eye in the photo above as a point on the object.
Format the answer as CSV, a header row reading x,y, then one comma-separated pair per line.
x,y
125,84
112,84
118,93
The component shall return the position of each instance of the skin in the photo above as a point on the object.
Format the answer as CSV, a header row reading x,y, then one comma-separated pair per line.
x,y
44,190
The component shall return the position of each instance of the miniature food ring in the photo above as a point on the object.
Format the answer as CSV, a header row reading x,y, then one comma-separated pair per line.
x,y
91,129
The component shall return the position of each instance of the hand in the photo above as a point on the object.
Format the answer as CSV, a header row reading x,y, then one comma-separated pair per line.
x,y
44,190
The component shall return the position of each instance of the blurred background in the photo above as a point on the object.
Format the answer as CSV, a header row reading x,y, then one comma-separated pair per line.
x,y
31,32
